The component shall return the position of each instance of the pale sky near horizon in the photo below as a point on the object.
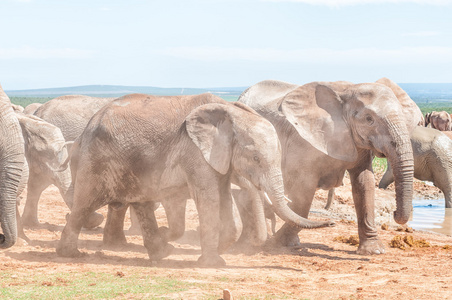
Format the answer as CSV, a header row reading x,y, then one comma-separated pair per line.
x,y
220,43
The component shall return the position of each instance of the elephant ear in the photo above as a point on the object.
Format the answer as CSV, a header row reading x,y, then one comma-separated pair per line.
x,y
210,128
316,113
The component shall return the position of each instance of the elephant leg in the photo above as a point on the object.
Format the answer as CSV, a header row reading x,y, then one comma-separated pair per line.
x,y
330,199
67,246
34,191
270,215
387,178
448,199
94,219
208,205
175,214
363,190
444,183
231,225
156,246
114,226
84,205
135,224
251,208
20,227
301,198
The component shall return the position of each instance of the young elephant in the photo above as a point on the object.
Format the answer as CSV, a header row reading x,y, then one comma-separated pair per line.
x,y
432,152
45,151
140,149
328,128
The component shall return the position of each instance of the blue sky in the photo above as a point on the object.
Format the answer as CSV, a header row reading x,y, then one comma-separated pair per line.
x,y
219,43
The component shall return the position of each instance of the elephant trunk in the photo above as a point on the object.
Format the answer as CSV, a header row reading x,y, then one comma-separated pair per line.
x,y
400,156
276,196
11,165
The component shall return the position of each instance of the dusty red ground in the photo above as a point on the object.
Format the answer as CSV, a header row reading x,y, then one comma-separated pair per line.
x,y
323,268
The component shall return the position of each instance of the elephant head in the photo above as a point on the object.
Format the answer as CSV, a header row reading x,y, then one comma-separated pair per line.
x,y
234,138
11,165
359,117
45,150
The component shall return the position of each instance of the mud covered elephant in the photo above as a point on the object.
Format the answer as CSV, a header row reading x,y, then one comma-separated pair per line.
x,y
432,152
11,168
140,149
440,120
328,128
45,151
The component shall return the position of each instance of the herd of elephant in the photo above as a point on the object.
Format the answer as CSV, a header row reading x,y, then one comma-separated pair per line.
x,y
278,143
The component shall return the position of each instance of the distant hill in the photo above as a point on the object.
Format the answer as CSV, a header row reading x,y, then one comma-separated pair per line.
x,y
427,92
419,92
118,90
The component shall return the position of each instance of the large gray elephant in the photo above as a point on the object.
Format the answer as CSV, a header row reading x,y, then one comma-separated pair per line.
x,y
11,168
45,151
440,120
140,149
328,128
432,152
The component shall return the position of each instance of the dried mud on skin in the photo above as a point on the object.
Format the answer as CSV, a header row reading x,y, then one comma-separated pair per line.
x,y
323,268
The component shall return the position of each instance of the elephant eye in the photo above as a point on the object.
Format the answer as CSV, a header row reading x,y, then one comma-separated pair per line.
x,y
369,119
256,159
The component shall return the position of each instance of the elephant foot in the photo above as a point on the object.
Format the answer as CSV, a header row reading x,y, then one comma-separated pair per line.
x,y
211,261
288,239
157,253
370,246
68,251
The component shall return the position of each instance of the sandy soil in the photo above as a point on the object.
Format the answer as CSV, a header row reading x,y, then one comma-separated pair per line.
x,y
324,268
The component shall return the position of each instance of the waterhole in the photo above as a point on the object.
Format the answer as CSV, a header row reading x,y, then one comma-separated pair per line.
x,y
431,215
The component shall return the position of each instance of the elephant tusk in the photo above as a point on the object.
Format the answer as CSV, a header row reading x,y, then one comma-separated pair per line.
x,y
268,199
287,199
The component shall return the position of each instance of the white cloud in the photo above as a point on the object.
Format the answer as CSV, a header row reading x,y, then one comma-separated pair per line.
x,y
364,56
422,33
43,53
339,3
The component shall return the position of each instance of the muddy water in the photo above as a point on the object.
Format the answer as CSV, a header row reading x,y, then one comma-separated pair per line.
x,y
431,215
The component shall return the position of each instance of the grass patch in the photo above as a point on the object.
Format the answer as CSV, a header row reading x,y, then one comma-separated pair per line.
x,y
435,106
24,101
89,285
379,165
